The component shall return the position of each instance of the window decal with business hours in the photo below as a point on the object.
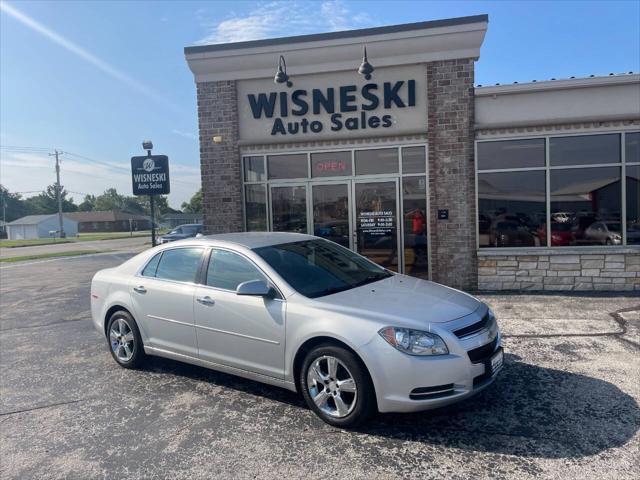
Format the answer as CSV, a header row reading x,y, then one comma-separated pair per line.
x,y
377,223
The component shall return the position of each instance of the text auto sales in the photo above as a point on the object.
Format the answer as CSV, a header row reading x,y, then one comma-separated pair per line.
x,y
337,102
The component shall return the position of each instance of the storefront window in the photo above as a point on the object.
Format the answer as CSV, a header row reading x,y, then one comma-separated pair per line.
x,y
589,200
414,214
288,166
330,164
632,146
289,209
633,204
256,208
527,153
377,161
511,209
586,201
254,169
414,160
584,150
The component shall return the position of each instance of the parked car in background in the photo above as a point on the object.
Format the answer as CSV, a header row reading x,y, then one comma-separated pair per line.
x,y
302,313
509,233
561,234
181,232
604,233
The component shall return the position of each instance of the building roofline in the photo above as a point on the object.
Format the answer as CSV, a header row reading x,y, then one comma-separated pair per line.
x,y
362,32
560,84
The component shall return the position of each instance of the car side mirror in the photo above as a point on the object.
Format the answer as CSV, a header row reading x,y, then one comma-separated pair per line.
x,y
254,288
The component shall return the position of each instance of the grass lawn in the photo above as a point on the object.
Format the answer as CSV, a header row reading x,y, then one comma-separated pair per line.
x,y
83,237
72,253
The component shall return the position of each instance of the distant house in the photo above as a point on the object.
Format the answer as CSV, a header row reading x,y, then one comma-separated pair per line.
x,y
40,226
175,219
109,221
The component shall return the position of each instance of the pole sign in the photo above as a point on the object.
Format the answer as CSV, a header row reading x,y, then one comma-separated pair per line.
x,y
150,175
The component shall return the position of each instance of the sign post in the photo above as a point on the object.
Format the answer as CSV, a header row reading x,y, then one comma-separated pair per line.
x,y
150,176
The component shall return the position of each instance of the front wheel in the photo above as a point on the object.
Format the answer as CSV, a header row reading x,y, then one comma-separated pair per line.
x,y
125,342
337,387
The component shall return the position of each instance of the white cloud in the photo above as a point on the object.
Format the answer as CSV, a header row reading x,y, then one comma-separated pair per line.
x,y
26,172
284,18
189,135
85,55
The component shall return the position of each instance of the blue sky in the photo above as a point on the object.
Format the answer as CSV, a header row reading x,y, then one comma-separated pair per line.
x,y
96,78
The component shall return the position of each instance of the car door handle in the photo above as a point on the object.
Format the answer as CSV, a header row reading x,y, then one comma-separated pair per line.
x,y
140,289
208,301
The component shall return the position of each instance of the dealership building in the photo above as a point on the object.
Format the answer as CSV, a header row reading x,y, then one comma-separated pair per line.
x,y
394,153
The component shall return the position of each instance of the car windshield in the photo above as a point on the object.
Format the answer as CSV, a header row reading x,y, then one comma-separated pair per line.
x,y
316,268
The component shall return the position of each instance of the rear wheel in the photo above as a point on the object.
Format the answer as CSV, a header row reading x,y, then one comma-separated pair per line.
x,y
337,387
125,342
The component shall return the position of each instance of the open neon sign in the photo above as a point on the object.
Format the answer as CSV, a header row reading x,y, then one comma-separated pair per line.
x,y
331,166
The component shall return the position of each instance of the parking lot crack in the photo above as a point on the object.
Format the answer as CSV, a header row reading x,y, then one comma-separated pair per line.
x,y
618,334
40,407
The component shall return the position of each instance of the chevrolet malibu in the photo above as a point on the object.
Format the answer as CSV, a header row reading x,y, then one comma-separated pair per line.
x,y
302,313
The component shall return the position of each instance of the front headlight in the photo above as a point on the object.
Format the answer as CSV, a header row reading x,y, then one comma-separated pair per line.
x,y
414,342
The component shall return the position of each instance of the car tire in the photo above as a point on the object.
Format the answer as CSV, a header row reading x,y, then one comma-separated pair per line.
x,y
339,402
608,242
128,352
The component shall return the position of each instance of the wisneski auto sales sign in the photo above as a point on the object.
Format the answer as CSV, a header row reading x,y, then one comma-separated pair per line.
x,y
334,105
150,175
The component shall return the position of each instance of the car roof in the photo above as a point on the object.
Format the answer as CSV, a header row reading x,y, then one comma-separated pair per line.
x,y
256,239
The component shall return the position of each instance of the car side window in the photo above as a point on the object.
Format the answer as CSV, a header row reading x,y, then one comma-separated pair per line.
x,y
227,270
180,264
152,266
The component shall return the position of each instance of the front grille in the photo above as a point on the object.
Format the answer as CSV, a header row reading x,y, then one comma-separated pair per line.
x,y
438,391
480,354
474,327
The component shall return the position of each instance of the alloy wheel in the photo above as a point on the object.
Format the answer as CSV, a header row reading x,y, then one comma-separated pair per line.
x,y
332,386
122,340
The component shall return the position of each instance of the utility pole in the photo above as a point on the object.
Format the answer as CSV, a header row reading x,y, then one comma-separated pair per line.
x,y
59,192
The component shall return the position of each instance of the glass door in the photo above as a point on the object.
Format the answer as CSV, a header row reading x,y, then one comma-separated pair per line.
x,y
376,221
331,212
289,208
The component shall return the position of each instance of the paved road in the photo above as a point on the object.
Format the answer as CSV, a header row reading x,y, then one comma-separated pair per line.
x,y
121,244
565,406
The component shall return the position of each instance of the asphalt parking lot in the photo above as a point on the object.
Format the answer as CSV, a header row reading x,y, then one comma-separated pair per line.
x,y
565,405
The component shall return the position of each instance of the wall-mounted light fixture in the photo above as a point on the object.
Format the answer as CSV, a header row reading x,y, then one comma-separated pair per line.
x,y
366,68
281,74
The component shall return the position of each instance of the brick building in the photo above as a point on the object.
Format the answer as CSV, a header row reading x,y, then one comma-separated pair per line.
x,y
529,186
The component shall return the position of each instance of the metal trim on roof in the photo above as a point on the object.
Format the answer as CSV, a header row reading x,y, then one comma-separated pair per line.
x,y
405,27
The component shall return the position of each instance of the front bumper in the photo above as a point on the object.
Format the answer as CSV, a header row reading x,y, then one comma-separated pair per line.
x,y
406,383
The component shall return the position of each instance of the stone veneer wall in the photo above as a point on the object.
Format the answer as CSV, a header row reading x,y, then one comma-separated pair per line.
x,y
618,270
450,97
220,162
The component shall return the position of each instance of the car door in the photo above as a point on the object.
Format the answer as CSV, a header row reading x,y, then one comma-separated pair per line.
x,y
244,332
162,296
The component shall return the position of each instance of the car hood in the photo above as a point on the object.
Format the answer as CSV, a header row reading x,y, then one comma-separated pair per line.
x,y
417,302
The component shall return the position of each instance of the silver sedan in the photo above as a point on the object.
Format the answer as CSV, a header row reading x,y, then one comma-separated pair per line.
x,y
301,313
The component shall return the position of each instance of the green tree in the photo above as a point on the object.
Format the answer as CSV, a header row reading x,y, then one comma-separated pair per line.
x,y
110,200
194,205
12,204
47,202
88,204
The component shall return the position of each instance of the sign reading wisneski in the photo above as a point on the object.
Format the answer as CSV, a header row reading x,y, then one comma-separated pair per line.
x,y
150,175
334,105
